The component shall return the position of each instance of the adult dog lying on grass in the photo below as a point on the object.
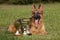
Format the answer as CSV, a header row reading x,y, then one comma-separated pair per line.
x,y
37,24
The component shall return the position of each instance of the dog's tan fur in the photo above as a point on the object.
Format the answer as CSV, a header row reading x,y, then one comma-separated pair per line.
x,y
12,28
40,29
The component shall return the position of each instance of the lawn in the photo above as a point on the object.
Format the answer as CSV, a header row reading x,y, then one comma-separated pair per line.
x,y
9,13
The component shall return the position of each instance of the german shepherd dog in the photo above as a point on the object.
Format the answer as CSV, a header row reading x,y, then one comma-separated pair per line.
x,y
37,25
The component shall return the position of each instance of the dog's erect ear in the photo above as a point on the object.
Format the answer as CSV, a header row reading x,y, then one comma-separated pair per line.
x,y
40,8
33,7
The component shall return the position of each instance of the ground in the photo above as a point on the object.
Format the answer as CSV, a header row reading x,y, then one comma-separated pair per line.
x,y
9,13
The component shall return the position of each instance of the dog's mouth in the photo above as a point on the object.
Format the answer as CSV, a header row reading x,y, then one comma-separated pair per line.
x,y
36,23
36,17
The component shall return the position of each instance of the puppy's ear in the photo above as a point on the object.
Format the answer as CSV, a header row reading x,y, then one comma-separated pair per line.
x,y
33,7
40,8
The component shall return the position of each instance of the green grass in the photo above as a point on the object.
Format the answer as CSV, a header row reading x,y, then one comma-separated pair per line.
x,y
9,13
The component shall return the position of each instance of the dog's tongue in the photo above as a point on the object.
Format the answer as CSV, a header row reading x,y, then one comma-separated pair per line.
x,y
36,23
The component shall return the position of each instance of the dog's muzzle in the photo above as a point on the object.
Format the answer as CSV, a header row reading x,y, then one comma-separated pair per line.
x,y
36,17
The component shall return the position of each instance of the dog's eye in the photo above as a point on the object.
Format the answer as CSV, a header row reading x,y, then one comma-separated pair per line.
x,y
33,12
38,12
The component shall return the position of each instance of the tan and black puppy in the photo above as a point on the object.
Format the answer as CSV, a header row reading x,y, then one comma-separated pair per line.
x,y
16,25
37,25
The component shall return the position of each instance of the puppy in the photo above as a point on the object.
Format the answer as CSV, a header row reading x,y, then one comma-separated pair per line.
x,y
16,25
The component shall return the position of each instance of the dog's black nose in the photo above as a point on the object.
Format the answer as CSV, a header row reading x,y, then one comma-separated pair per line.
x,y
18,20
